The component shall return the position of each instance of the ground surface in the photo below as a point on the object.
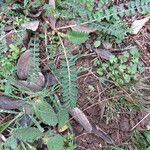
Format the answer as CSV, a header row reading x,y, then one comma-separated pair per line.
x,y
91,99
97,102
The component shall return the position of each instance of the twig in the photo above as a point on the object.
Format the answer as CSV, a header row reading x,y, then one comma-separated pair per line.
x,y
140,121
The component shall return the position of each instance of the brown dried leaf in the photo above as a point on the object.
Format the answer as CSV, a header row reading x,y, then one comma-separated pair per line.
x,y
137,25
51,18
32,25
80,117
23,65
10,103
107,45
82,28
105,54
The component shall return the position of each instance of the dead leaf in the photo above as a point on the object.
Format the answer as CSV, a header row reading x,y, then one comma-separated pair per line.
x,y
81,118
52,21
51,79
10,103
32,25
30,86
51,18
82,28
107,45
137,25
23,65
105,54
63,129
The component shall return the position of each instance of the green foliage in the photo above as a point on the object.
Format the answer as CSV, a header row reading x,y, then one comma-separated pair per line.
x,y
141,140
112,31
113,108
132,8
69,142
18,20
97,44
88,4
48,9
8,63
123,68
68,78
26,134
11,142
45,113
55,143
62,118
106,19
34,60
53,45
47,109
77,37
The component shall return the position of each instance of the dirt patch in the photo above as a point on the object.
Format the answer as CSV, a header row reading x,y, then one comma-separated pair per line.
x,y
91,98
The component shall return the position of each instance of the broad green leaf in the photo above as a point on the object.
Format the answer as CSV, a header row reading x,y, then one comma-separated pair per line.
x,y
27,134
55,143
45,113
77,37
63,118
11,142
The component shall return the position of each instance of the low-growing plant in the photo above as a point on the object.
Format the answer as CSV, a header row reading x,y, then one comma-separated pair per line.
x,y
122,69
141,140
8,63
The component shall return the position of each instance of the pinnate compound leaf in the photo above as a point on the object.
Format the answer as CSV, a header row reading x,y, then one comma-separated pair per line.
x,y
55,143
45,113
77,37
27,134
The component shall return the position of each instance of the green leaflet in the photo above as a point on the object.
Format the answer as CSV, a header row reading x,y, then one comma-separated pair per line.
x,y
11,142
55,143
45,113
77,37
27,134
34,60
68,80
63,118
133,7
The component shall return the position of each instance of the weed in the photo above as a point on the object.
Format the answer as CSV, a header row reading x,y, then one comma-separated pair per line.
x,y
141,140
122,69
8,63
113,108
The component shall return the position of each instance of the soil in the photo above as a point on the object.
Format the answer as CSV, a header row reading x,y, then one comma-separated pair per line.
x,y
91,99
